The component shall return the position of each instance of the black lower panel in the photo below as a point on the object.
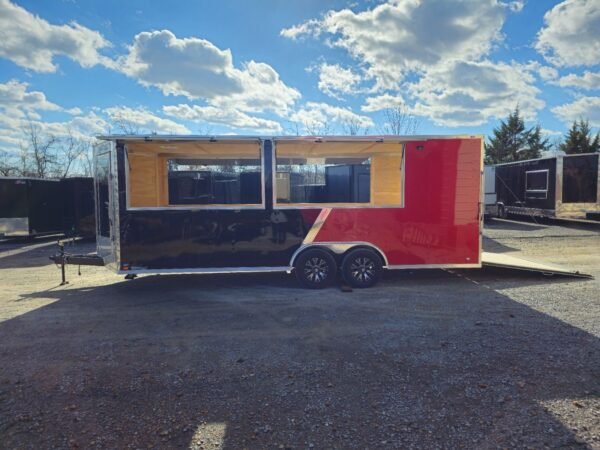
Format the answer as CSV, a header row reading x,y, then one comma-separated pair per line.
x,y
580,179
212,239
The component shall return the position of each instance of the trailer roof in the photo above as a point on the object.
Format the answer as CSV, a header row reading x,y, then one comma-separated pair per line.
x,y
31,178
176,137
543,158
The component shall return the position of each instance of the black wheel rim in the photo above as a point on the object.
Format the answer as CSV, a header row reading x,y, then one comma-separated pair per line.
x,y
363,269
316,270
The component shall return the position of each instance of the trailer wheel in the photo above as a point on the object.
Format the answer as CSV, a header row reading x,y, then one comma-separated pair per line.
x,y
315,268
362,268
501,212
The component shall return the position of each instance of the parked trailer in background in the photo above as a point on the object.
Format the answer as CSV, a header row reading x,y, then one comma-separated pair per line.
x,y
34,206
563,186
490,197
309,205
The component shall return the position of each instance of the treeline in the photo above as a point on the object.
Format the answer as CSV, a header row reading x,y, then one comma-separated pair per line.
x,y
513,141
45,155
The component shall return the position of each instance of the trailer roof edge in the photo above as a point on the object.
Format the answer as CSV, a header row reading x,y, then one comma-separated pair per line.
x,y
157,137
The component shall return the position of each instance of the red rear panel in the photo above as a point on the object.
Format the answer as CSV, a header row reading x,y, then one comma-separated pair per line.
x,y
439,223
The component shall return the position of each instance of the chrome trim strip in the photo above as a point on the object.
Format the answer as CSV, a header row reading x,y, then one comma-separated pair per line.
x,y
196,208
214,270
482,199
115,232
434,266
316,227
338,248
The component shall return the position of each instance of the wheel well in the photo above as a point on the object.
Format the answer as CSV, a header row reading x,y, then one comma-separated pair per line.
x,y
312,247
366,247
339,255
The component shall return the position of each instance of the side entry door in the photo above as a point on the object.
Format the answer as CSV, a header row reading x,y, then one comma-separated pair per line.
x,y
104,206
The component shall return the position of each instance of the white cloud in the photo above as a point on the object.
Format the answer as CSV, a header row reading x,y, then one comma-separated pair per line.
x,y
589,80
547,73
14,95
382,101
316,117
570,36
335,80
471,93
230,117
516,5
81,127
197,69
33,43
311,27
550,133
398,37
144,120
587,108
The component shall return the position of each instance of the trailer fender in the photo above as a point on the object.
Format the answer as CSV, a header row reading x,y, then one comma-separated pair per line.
x,y
339,249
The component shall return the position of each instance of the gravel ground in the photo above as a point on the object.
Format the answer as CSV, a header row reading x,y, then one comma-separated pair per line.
x,y
427,359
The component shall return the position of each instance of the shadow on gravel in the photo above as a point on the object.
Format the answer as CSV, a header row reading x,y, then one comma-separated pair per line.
x,y
425,360
491,245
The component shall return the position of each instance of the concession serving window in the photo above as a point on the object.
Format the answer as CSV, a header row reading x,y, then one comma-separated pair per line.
x,y
345,173
190,174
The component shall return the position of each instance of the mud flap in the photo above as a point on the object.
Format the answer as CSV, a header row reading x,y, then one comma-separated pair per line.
x,y
511,262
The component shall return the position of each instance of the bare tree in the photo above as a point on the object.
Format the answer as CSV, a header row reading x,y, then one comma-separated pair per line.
x,y
292,128
8,164
352,126
316,128
205,129
38,153
87,157
125,126
399,121
68,153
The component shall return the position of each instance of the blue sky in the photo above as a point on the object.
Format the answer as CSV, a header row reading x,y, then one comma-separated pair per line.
x,y
308,67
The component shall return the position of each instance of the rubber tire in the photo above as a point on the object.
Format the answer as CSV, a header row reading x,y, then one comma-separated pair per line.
x,y
361,253
501,212
305,257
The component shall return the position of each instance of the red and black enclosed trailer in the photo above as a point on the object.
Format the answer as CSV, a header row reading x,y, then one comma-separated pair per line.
x,y
316,206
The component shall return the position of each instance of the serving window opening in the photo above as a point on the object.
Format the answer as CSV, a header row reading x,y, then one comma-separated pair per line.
x,y
339,173
536,184
195,174
214,181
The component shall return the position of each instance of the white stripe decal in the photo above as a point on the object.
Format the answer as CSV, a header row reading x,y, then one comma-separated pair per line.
x,y
314,230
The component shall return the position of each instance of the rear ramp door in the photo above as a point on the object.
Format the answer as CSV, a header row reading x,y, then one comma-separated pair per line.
x,y
511,262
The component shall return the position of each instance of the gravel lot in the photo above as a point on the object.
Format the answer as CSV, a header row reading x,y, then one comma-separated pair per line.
x,y
427,359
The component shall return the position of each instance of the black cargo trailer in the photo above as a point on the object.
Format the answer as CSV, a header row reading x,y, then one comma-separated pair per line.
x,y
563,186
34,206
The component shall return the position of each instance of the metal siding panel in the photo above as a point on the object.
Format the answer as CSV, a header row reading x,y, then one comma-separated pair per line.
x,y
440,221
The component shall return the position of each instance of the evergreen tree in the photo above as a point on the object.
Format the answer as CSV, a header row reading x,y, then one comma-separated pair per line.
x,y
579,139
535,145
511,141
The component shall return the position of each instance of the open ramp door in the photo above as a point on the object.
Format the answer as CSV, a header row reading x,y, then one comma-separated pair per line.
x,y
511,262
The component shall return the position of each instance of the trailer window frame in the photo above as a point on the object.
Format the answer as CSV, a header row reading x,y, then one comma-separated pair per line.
x,y
200,207
362,205
538,191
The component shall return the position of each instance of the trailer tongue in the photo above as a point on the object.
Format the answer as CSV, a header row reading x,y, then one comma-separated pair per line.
x,y
63,258
511,262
